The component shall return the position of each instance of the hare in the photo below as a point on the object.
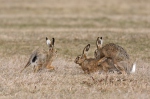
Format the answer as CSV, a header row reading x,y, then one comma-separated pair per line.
x,y
90,65
41,58
116,53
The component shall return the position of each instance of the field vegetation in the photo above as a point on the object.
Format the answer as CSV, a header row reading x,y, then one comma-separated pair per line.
x,y
24,24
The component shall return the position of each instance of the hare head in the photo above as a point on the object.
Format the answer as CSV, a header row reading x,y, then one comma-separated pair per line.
x,y
50,43
81,58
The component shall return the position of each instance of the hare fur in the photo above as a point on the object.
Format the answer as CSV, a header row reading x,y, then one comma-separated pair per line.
x,y
41,58
116,53
90,65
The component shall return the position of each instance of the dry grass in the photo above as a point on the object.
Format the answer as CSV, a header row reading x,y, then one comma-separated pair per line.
x,y
68,81
24,24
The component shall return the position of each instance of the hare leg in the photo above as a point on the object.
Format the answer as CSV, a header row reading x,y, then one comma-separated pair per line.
x,y
49,67
105,68
28,63
37,68
120,68
102,60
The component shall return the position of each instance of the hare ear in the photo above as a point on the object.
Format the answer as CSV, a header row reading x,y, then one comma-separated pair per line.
x,y
48,42
53,41
99,42
86,49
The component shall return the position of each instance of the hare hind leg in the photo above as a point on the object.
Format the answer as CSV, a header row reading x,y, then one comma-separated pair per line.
x,y
37,68
49,67
105,67
120,68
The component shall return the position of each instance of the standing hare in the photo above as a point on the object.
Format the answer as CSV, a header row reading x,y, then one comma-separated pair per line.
x,y
117,54
42,58
90,65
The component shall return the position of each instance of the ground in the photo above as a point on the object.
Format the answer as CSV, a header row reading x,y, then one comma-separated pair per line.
x,y
24,25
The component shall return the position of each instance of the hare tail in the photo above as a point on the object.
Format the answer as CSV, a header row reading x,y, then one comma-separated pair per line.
x,y
133,68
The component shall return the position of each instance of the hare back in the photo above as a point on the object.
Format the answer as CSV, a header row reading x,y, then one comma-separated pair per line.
x,y
40,57
115,51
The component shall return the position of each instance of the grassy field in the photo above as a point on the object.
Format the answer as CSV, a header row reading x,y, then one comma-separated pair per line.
x,y
24,24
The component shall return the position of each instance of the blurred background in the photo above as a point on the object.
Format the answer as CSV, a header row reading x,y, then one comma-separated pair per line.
x,y
24,24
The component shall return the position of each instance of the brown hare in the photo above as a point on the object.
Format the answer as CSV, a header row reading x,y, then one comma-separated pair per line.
x,y
90,65
42,58
117,54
